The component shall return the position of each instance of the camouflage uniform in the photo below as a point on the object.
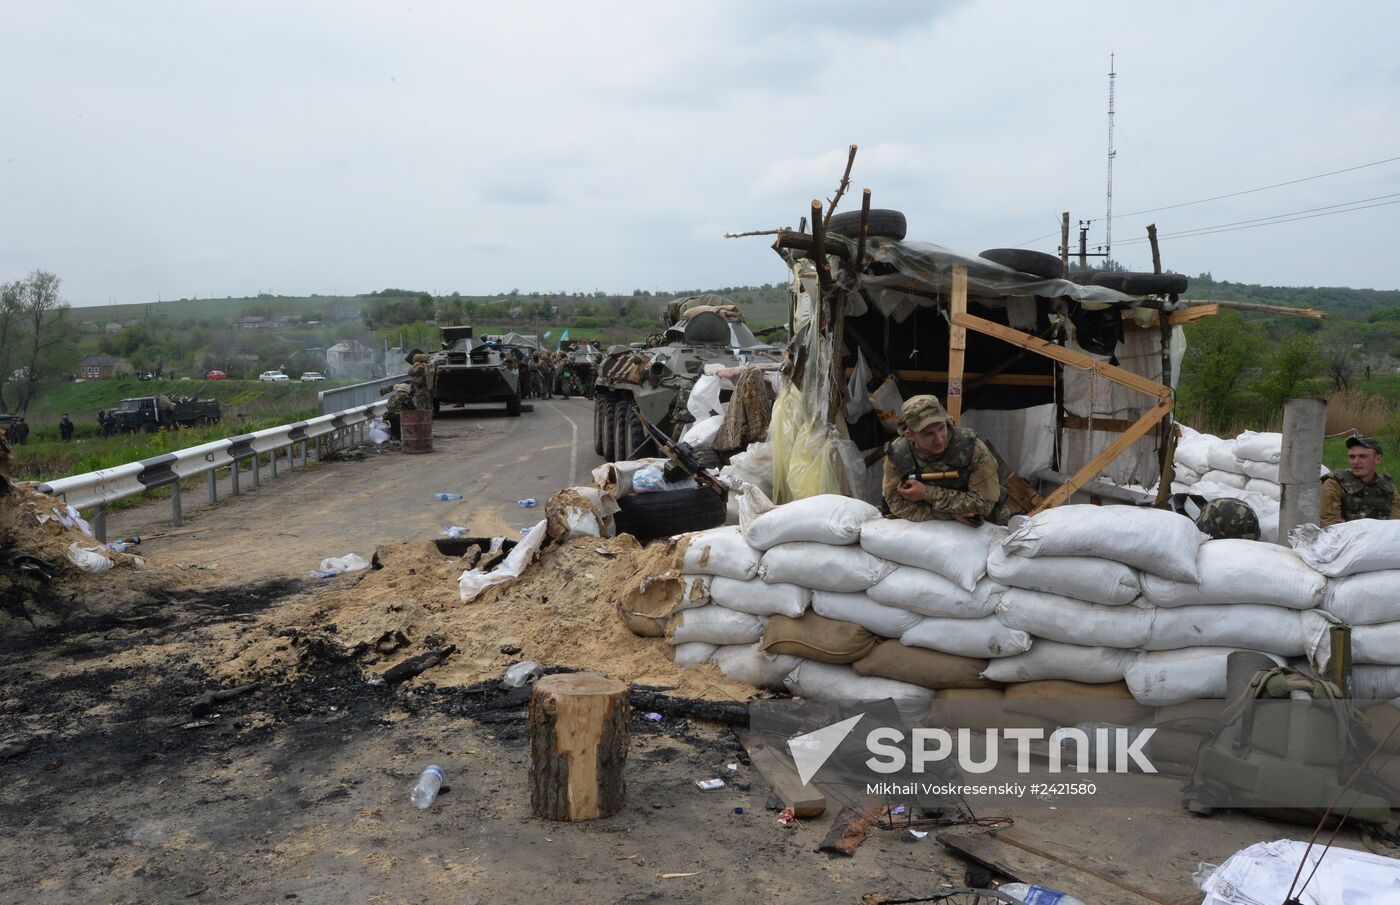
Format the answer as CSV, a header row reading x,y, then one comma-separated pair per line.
x,y
1226,518
1345,497
976,487
418,375
400,398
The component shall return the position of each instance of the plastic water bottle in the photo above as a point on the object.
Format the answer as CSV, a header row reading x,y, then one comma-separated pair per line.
x,y
429,781
527,504
444,497
1038,895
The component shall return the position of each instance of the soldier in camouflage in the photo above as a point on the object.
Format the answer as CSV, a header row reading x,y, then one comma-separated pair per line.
x,y
400,399
1360,491
418,376
930,443
1226,518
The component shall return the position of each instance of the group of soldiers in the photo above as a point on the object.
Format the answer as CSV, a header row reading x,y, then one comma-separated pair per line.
x,y
936,470
539,372
410,395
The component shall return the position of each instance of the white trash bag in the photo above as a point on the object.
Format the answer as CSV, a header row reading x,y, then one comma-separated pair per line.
x,y
90,561
474,581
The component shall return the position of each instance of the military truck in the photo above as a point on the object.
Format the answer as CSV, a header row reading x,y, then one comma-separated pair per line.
x,y
654,378
467,370
149,414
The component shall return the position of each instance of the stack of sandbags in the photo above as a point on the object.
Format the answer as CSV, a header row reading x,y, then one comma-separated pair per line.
x,y
1361,560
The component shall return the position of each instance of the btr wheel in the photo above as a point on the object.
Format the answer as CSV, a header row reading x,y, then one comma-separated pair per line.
x,y
605,406
619,428
599,446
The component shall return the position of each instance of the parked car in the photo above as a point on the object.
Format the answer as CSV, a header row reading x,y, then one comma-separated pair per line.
x,y
310,376
273,376
216,375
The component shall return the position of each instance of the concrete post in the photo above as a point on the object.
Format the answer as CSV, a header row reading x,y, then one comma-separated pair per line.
x,y
213,486
99,524
177,517
1304,423
291,458
257,470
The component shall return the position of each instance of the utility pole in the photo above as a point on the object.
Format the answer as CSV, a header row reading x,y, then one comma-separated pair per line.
x,y
1084,244
1108,216
1064,244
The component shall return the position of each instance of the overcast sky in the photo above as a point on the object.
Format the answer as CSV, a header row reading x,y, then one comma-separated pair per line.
x,y
175,149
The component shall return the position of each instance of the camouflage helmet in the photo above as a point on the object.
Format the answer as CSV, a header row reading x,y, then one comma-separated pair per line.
x,y
1226,518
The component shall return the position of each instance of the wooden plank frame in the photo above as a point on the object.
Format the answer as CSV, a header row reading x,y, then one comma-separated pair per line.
x,y
957,344
1120,376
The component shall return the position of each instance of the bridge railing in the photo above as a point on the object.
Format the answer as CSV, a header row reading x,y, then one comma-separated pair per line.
x,y
98,489
347,397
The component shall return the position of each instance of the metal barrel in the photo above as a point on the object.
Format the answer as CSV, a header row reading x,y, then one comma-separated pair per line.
x,y
416,430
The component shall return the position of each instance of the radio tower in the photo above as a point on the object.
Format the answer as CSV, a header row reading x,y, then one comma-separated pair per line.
x,y
1108,216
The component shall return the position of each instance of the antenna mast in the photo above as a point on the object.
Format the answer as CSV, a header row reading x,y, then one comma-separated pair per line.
x,y
1108,216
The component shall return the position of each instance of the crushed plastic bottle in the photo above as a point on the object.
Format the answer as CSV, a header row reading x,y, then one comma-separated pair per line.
x,y
125,544
453,532
429,782
518,675
444,497
317,573
530,503
1032,894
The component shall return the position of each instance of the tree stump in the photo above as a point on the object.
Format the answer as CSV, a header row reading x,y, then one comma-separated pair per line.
x,y
578,746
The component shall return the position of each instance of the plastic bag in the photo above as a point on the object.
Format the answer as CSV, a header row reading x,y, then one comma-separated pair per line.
x,y
90,561
701,434
858,390
887,403
929,594
649,480
1073,621
378,431
703,400
339,565
474,581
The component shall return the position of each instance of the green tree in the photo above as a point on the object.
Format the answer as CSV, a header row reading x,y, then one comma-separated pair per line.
x,y
1220,354
1295,360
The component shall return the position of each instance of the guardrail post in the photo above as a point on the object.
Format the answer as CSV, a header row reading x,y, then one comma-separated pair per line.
x,y
257,470
272,457
291,458
99,524
233,473
213,486
176,516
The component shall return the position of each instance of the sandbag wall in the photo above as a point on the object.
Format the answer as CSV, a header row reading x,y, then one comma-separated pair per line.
x,y
826,599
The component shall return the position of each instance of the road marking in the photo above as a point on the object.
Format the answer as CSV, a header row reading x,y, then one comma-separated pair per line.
x,y
573,444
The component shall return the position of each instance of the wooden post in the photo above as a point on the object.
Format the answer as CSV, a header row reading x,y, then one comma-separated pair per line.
x,y
818,244
1064,244
864,228
1166,450
1156,252
957,344
578,746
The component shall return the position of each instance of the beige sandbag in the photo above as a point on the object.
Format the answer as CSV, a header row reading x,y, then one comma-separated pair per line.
x,y
643,626
981,708
1060,689
1069,703
920,666
972,695
817,638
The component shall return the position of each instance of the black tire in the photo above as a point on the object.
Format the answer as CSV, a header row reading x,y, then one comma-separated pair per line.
x,y
513,407
646,516
1035,263
887,223
619,427
1139,283
636,434
609,450
599,446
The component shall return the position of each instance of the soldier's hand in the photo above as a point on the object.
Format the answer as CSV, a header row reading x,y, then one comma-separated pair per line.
x,y
913,491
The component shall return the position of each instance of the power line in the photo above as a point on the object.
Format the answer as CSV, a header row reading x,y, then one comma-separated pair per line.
x,y
1210,231
1309,210
1262,188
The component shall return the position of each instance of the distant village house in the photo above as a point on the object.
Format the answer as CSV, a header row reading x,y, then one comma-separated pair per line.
x,y
350,358
100,367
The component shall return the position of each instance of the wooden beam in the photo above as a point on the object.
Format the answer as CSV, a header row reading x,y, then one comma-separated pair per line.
x,y
957,344
1256,306
1097,464
1079,360
1107,425
1178,318
1010,380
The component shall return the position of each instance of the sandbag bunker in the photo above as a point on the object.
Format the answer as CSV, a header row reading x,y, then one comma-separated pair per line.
x,y
826,599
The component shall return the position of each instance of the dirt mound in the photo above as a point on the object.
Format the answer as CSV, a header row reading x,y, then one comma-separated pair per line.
x,y
564,611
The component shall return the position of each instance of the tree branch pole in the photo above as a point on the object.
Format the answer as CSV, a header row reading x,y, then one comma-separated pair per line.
x,y
842,186
753,232
819,242
1166,437
864,227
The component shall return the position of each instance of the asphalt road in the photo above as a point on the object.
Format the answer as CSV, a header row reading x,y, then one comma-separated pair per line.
x,y
286,526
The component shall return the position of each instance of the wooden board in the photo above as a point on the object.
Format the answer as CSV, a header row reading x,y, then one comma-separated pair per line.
x,y
957,345
781,775
1004,853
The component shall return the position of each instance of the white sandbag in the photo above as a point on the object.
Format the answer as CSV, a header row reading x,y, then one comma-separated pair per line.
x,y
1365,545
703,400
1070,662
1221,457
1266,872
829,682
1243,626
701,434
885,621
1269,489
759,597
753,502
1264,471
1226,479
1268,525
1184,476
1259,447
1376,644
474,581
1151,540
1086,578
748,664
982,638
822,566
693,653
1195,454
721,551
930,594
1375,683
1171,677
1074,621
952,549
828,518
714,625
1242,571
1369,598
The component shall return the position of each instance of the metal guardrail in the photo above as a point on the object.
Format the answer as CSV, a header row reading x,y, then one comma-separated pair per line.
x,y
107,485
341,398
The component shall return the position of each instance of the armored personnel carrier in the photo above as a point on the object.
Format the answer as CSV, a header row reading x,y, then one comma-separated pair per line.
x,y
468,370
652,380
